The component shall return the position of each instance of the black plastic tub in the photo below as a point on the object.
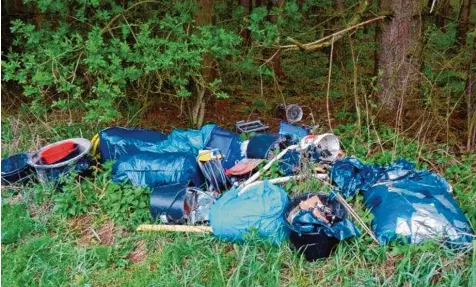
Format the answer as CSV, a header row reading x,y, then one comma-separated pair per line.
x,y
15,169
317,244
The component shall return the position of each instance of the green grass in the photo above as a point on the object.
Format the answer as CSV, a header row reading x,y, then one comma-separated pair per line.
x,y
42,247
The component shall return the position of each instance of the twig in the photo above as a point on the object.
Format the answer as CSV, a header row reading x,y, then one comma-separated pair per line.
x,y
356,217
329,85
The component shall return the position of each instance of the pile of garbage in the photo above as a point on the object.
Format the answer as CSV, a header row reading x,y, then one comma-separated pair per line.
x,y
214,181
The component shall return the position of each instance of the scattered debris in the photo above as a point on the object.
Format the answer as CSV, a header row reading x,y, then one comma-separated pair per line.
x,y
205,177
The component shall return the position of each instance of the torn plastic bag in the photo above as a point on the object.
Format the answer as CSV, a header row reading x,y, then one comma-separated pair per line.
x,y
416,207
155,169
261,207
228,143
292,132
117,141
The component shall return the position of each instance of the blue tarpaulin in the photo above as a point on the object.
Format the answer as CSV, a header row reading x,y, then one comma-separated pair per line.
x,y
407,204
155,169
261,207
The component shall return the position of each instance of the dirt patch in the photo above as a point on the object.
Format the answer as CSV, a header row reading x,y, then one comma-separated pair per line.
x,y
106,233
140,253
83,225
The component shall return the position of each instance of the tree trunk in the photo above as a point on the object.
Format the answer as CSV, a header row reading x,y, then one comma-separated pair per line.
x,y
275,54
442,14
400,55
245,33
464,19
203,17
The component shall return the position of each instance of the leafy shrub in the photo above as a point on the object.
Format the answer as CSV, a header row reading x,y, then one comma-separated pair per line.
x,y
89,59
125,204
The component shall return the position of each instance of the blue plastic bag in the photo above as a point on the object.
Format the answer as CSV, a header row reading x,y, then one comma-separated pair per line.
x,y
155,169
407,204
416,207
261,207
116,142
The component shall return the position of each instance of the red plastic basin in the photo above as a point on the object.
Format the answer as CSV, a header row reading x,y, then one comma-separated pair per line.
x,y
58,152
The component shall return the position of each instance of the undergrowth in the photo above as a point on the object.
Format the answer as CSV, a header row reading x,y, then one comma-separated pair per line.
x,y
42,243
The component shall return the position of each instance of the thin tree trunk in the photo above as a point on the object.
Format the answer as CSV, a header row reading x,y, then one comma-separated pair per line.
x,y
464,19
203,17
245,33
400,55
442,14
471,103
276,54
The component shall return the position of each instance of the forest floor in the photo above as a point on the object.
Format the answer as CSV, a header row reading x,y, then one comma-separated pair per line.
x,y
52,248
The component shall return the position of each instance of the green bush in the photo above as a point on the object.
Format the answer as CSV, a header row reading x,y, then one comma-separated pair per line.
x,y
89,60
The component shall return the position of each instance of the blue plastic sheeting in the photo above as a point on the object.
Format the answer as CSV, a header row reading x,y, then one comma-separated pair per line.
x,y
116,142
293,132
407,204
155,169
261,207
261,146
228,143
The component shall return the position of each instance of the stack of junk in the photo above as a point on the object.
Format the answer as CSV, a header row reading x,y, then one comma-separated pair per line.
x,y
210,180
